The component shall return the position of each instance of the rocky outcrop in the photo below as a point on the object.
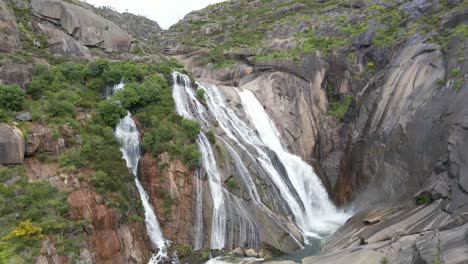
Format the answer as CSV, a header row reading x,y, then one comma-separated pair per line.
x,y
90,29
11,145
9,33
139,27
111,241
16,72
41,138
60,42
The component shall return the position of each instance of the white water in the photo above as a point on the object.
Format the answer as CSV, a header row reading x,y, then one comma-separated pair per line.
x,y
127,132
184,98
313,211
297,190
300,188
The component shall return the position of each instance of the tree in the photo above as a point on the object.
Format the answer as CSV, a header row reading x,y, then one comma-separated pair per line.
x,y
11,97
110,112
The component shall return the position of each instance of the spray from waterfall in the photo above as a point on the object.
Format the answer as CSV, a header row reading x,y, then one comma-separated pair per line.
x,y
126,131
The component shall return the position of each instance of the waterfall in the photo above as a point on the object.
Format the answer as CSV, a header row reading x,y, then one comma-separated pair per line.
x,y
299,187
293,186
313,211
242,226
126,131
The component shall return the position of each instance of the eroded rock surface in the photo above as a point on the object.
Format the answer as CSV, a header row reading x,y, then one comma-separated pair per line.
x,y
11,145
90,29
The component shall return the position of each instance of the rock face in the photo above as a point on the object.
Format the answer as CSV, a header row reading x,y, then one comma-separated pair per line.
x,y
9,33
111,241
90,29
16,72
11,145
172,196
61,43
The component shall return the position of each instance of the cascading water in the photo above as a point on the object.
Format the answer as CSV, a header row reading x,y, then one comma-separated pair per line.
x,y
224,203
314,213
126,131
299,187
295,188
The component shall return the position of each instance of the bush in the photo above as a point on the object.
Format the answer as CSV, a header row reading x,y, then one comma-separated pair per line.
x,y
60,108
110,112
11,97
200,93
184,251
128,97
191,128
211,137
104,182
424,198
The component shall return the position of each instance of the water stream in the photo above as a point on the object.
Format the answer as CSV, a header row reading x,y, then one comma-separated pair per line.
x,y
127,132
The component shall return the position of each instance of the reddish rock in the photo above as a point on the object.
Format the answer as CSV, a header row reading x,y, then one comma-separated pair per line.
x,y
171,185
111,241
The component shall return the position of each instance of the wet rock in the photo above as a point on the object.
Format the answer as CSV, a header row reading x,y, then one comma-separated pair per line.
x,y
250,252
11,145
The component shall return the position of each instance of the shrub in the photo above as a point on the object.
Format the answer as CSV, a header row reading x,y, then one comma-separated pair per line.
x,y
104,182
211,137
338,109
11,97
73,157
200,93
184,251
128,97
191,128
205,254
110,112
424,198
232,184
191,156
60,108
26,230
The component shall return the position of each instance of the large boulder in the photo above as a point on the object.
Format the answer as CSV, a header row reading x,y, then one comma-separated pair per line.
x,y
90,29
16,72
9,33
11,145
60,43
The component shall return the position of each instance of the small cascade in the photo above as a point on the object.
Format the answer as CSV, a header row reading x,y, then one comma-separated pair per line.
x,y
198,244
127,132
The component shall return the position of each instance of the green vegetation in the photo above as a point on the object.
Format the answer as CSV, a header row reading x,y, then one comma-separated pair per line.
x,y
184,251
205,254
384,260
29,211
232,184
457,84
424,198
11,97
338,109
211,136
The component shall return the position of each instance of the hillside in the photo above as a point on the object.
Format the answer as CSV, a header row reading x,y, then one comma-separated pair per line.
x,y
258,127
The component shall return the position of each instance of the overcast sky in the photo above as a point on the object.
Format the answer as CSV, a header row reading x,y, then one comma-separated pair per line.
x,y
165,12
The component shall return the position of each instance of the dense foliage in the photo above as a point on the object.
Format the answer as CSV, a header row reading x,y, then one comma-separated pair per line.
x,y
71,96
11,97
29,211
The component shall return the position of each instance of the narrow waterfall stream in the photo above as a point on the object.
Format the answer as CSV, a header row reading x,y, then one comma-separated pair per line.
x,y
127,132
